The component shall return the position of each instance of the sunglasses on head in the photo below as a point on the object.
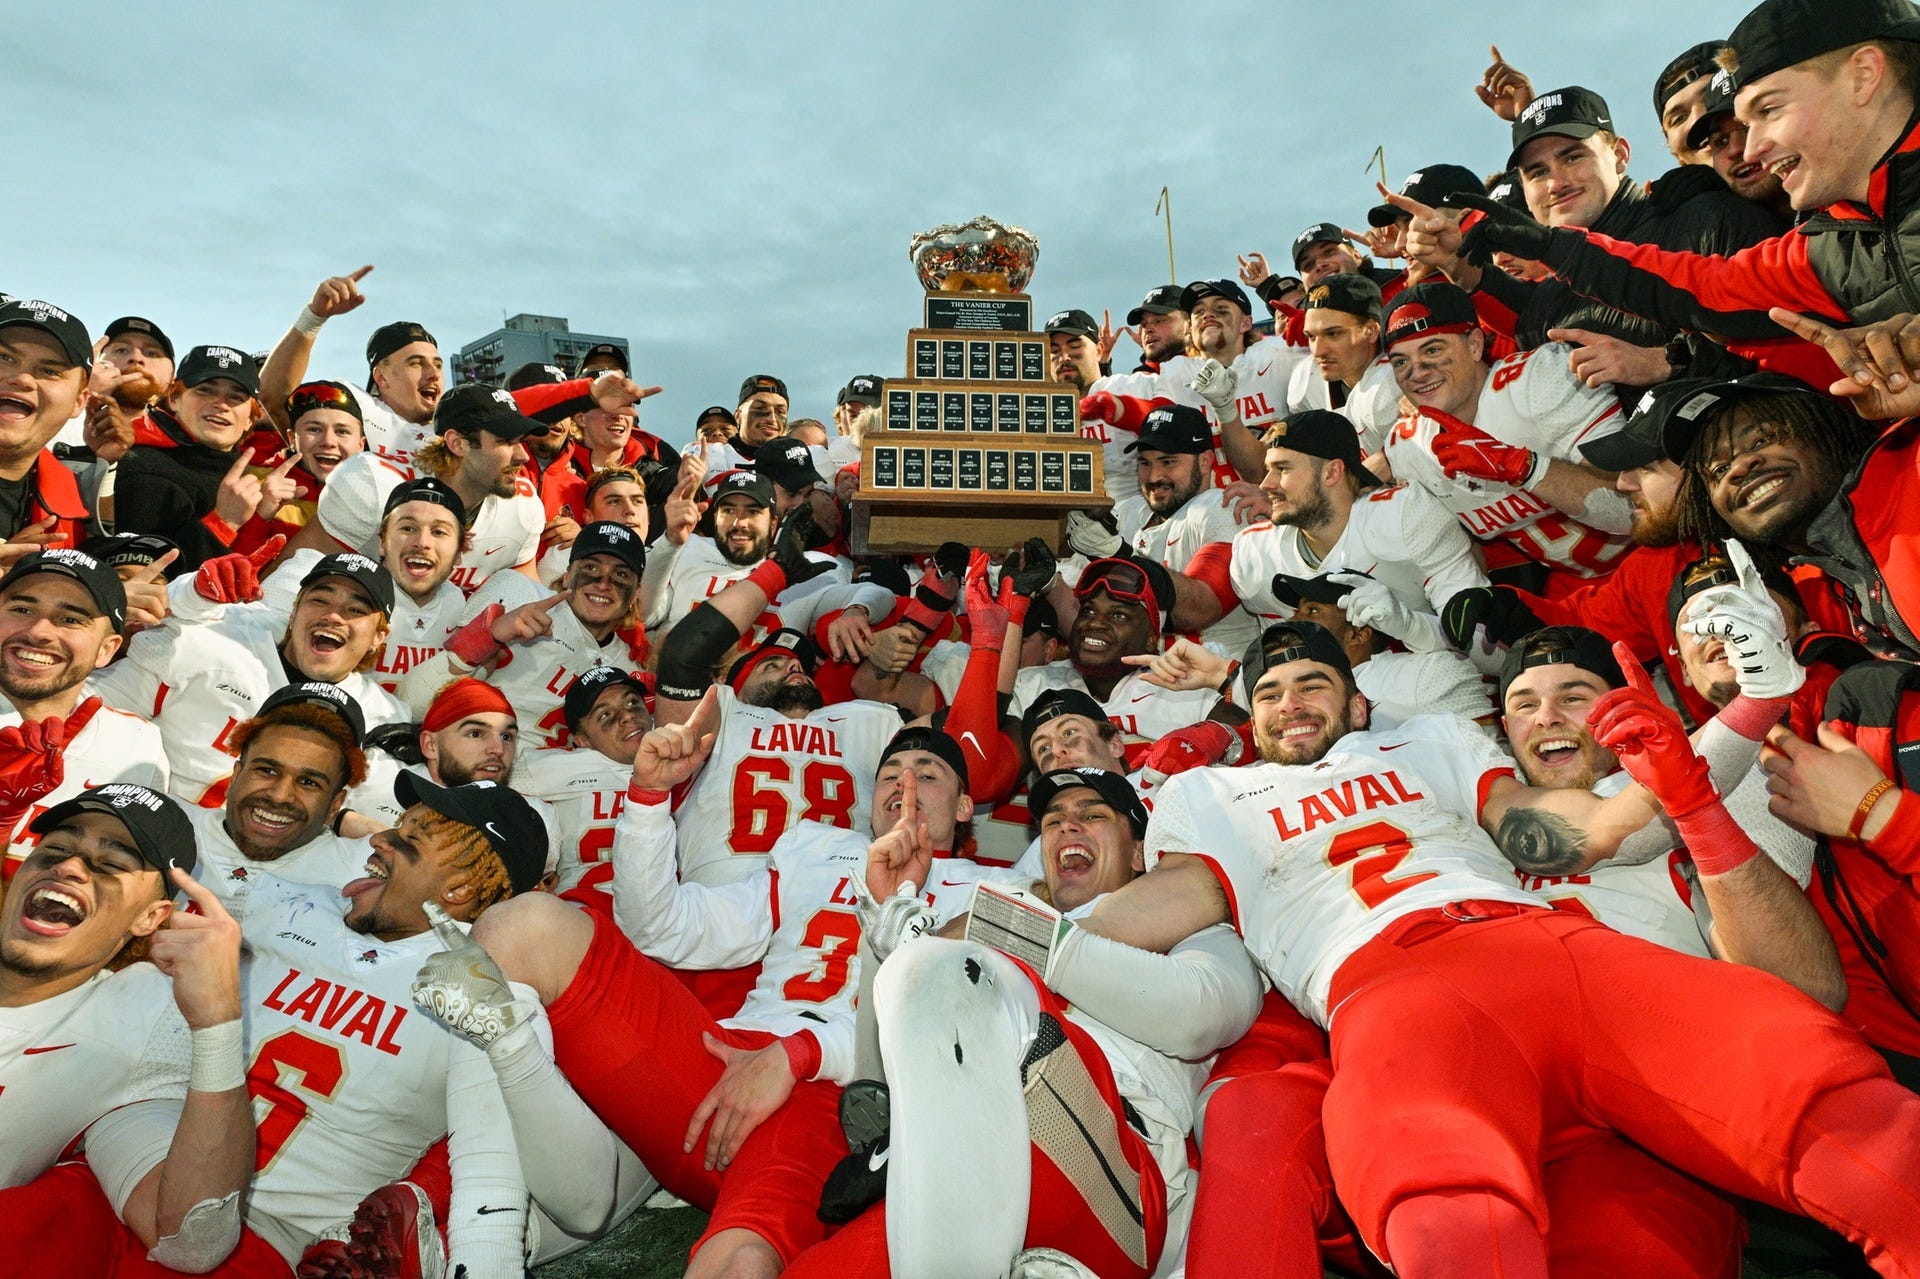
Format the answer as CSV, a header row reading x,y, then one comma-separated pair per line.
x,y
1119,579
317,395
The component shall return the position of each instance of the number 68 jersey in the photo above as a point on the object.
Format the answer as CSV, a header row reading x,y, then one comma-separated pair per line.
x,y
769,772
1317,858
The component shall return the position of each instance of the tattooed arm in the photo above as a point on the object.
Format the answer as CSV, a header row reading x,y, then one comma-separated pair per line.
x,y
1564,831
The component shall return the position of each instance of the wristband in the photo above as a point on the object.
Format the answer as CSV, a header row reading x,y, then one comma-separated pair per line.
x,y
474,643
1536,469
803,1054
1752,717
1867,801
769,577
217,1058
307,322
1715,840
638,794
1225,686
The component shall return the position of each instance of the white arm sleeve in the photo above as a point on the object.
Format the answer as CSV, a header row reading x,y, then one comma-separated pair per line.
x,y
803,613
656,581
569,1158
683,925
126,1144
837,1049
1188,1003
487,1218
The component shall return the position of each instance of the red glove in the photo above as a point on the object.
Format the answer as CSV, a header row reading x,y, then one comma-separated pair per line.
x,y
235,579
32,760
474,643
1126,411
1194,746
1651,742
987,618
1464,450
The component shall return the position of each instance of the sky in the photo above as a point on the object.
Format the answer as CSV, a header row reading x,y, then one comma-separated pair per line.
x,y
732,187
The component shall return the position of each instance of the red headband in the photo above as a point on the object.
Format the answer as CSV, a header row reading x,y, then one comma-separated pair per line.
x,y
464,698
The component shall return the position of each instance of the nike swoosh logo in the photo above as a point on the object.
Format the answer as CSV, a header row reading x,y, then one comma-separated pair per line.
x,y
50,1048
969,737
1396,746
955,883
483,555
494,831
877,1160
484,1211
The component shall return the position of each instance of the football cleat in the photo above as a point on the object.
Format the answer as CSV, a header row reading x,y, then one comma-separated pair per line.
x,y
393,1236
859,1181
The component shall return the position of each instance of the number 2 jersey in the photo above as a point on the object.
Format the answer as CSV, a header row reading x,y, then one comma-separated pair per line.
x,y
768,771
1317,858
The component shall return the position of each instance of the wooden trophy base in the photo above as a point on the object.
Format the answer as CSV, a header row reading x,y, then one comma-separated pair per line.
x,y
990,491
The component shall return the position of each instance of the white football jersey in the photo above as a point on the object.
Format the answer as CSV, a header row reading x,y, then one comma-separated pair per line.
x,y
415,632
324,862
1396,533
1318,858
770,771
534,676
697,572
1260,377
1122,476
1204,520
1144,712
113,746
586,792
1401,685
1531,399
1373,406
199,681
66,1061
388,434
504,533
348,1078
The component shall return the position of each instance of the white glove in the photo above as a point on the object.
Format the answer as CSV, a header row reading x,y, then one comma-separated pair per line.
x,y
462,987
1215,384
1371,603
1090,537
1745,618
897,921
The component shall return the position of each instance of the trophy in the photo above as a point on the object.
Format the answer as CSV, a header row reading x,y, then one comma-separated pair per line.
x,y
977,443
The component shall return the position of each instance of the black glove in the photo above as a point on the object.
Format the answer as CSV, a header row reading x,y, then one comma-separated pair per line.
x,y
401,741
1495,607
1032,567
791,542
1503,230
952,558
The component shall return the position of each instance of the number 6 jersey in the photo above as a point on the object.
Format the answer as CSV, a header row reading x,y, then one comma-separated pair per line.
x,y
1317,858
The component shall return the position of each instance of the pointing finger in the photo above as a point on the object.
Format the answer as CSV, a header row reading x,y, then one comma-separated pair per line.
x,y
268,549
292,460
197,893
546,606
361,274
444,928
1630,666
153,571
241,463
1744,566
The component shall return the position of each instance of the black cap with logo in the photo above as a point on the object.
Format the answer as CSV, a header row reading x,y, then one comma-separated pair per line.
x,y
1667,419
473,407
1716,104
1075,321
1572,112
1114,789
1174,428
389,338
1696,63
1294,641
788,463
1191,295
501,814
1429,307
98,579
1346,292
1318,233
1294,591
785,641
587,686
315,692
535,373
603,351
934,742
205,363
605,537
1429,186
747,483
370,575
64,329
426,489
1054,703
1561,645
862,388
140,324
762,383
128,550
161,832
1322,433
1164,300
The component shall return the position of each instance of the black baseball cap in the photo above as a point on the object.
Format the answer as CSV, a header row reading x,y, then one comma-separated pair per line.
x,y
1693,64
785,641
716,410
1347,292
1432,306
1072,320
473,407
426,489
1318,233
1572,112
161,833
1429,186
1294,641
1174,428
1715,104
205,363
740,480
1191,295
124,550
140,324
1321,433
1054,703
389,338
1557,645
1778,34
52,321
604,537
97,578
934,742
1508,191
500,813
1116,790
788,463
762,382
535,373
587,686
610,350
1294,591
314,692
1671,415
862,388
1164,300
371,576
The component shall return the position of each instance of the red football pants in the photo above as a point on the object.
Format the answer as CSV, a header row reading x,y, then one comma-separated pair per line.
x,y
626,1033
1476,1043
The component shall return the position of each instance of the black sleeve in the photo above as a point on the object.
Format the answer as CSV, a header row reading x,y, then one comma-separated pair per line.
x,y
692,651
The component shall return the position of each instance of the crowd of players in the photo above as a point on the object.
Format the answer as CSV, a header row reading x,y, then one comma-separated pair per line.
x,y
1455,813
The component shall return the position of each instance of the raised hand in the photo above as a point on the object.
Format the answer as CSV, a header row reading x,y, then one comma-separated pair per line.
x,y
1881,361
1744,617
671,753
1819,786
462,988
987,617
1370,602
1504,88
108,432
1253,268
898,861
1601,360
1109,336
278,487
1650,741
146,589
1215,383
1465,451
850,635
235,579
338,294
239,492
529,622
36,536
614,390
1092,536
1184,667
680,513
200,951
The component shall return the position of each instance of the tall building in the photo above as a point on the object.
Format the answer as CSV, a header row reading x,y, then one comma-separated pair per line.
x,y
526,339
